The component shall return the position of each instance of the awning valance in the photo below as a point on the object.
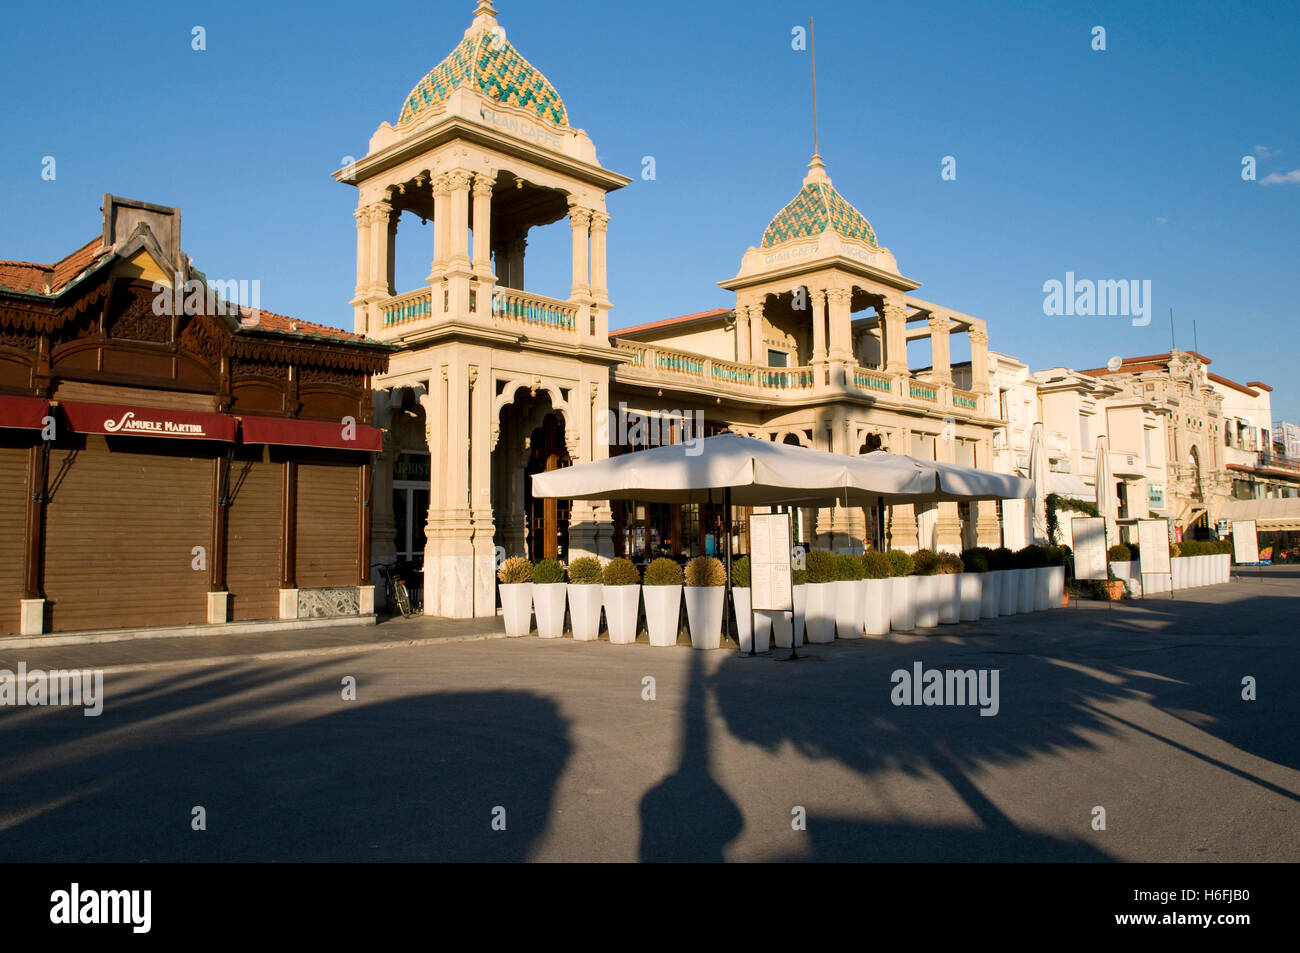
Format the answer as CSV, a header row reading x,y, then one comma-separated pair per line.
x,y
24,413
138,421
328,434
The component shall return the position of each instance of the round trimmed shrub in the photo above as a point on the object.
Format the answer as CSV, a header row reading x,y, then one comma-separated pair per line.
x,y
547,571
950,564
900,563
621,572
925,562
514,571
740,573
585,571
1002,559
706,572
875,565
976,559
663,572
800,577
1031,557
1119,553
821,566
848,567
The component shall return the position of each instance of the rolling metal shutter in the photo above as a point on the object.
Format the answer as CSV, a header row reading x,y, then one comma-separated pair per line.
x,y
253,536
13,524
327,536
123,518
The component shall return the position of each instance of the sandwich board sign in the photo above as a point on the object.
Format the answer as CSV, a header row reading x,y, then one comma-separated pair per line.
x,y
771,580
1153,547
1089,534
1245,542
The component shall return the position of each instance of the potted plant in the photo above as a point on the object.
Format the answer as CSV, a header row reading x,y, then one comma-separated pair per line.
x,y
876,574
819,616
549,593
585,596
663,600
621,590
925,567
1027,571
706,581
975,562
1056,557
1178,566
902,591
848,596
747,620
1003,562
516,586
949,578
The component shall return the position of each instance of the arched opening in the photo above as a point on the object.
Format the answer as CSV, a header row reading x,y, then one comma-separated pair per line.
x,y
530,439
548,520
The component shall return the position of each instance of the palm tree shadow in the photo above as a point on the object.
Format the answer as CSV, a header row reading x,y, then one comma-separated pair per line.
x,y
688,816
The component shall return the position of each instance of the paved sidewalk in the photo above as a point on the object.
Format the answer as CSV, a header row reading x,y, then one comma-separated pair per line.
x,y
221,648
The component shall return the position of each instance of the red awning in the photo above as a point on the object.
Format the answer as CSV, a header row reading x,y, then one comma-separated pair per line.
x,y
26,413
334,435
136,421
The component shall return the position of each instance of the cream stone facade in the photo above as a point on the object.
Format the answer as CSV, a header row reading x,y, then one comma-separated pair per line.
x,y
489,382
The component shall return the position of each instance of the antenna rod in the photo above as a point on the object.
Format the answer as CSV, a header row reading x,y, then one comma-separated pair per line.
x,y
1195,344
812,54
1171,330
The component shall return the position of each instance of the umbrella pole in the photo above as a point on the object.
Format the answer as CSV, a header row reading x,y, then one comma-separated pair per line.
x,y
728,609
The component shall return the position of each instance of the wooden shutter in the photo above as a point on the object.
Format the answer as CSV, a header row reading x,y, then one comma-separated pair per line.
x,y
328,545
253,535
13,525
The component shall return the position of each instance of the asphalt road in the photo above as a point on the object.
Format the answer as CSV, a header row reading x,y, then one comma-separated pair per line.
x,y
1136,709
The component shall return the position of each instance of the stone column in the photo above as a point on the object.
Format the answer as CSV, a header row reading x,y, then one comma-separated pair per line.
x,y
895,325
818,302
362,292
380,213
979,359
459,181
580,224
743,344
599,280
757,345
483,183
840,325
441,230
480,488
940,361
516,249
451,533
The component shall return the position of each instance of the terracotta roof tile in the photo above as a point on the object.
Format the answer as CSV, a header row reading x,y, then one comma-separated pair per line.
x,y
670,322
1233,384
48,279
283,324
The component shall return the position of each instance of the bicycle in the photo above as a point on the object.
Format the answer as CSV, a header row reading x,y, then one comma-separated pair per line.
x,y
395,589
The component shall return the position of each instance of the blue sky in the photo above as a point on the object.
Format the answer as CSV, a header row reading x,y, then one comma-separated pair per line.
x,y
1122,164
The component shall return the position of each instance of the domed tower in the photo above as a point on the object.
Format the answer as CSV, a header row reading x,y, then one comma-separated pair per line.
x,y
488,378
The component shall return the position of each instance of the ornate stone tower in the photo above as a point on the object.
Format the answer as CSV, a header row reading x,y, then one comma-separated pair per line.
x,y
483,147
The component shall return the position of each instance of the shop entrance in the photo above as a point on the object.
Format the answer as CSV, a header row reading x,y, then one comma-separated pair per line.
x,y
548,520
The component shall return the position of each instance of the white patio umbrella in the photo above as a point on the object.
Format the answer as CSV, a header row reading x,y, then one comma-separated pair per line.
x,y
947,482
1107,506
1038,476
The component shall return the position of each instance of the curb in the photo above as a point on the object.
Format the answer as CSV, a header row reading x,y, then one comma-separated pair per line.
x,y
96,637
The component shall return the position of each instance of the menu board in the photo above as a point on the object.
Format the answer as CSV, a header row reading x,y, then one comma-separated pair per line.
x,y
1089,547
1245,542
770,578
1153,546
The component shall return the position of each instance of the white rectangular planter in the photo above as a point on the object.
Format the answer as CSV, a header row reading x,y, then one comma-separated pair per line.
x,y
1042,588
517,607
746,621
621,605
548,605
971,593
819,617
663,607
949,588
848,608
1025,589
991,594
1010,591
584,611
902,603
1181,566
704,606
876,616
1225,567
1055,587
927,602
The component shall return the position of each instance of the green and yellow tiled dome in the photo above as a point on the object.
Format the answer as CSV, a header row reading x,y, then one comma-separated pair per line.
x,y
486,61
817,207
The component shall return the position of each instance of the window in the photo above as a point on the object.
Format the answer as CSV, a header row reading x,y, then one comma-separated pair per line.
x,y
1149,445
1002,404
1085,426
777,358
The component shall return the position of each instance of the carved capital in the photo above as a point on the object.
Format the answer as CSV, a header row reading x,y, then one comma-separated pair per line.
x,y
483,184
818,298
579,217
441,185
978,336
599,222
839,296
894,309
938,324
458,179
